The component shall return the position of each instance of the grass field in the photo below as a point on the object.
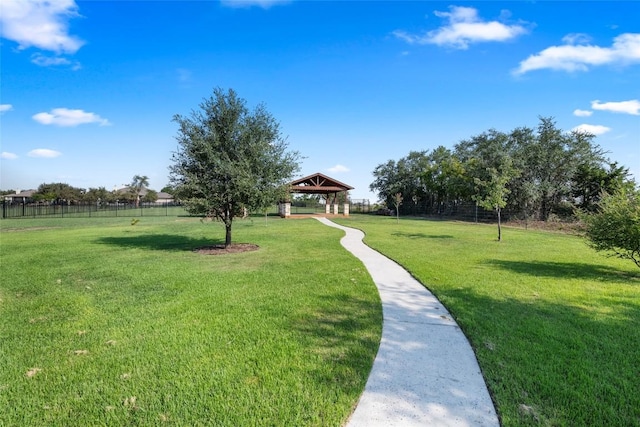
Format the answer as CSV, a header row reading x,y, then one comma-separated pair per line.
x,y
105,323
555,325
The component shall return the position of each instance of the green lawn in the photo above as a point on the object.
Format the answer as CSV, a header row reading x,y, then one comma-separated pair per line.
x,y
105,323
555,325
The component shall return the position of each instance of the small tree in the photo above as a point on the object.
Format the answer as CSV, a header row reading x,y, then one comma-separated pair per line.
x,y
615,226
493,189
230,159
397,201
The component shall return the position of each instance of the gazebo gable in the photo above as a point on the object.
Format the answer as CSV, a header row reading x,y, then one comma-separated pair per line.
x,y
318,184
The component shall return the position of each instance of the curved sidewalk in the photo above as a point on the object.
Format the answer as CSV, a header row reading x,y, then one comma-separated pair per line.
x,y
425,372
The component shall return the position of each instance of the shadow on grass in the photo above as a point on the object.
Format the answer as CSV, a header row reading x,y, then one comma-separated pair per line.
x,y
570,364
421,235
159,242
345,331
575,270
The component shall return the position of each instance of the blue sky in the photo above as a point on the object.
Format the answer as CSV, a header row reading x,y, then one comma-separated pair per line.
x,y
89,88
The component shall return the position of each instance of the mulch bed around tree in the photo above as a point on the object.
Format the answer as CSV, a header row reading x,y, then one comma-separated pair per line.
x,y
233,248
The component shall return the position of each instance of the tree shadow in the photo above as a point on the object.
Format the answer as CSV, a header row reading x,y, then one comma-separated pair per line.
x,y
575,270
555,358
159,242
421,235
345,331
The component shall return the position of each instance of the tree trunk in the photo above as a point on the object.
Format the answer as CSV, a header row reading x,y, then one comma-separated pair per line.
x,y
228,221
227,239
499,226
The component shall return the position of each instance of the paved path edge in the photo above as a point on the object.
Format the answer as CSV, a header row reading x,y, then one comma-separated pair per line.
x,y
425,371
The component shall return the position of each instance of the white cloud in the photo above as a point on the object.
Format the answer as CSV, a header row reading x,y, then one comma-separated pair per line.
x,y
44,152
40,23
576,38
579,57
265,4
338,169
184,75
627,107
592,129
7,155
49,61
67,118
5,107
582,113
464,28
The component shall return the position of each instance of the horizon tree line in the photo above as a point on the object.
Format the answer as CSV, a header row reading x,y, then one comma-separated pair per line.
x,y
59,192
533,173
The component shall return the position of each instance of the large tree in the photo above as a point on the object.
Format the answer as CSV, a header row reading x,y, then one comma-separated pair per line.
x,y
444,178
405,176
592,180
58,192
230,158
100,194
549,160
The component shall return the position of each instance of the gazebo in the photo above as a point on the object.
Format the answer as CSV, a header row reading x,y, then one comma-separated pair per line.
x,y
318,184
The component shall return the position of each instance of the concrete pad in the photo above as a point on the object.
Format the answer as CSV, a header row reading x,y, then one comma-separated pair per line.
x,y
425,372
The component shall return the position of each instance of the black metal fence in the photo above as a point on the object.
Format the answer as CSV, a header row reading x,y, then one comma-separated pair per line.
x,y
459,211
469,212
360,206
84,210
88,210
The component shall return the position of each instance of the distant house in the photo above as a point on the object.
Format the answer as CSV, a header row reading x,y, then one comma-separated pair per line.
x,y
20,196
162,197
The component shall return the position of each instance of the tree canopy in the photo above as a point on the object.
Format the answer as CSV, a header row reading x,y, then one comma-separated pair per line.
x,y
531,173
230,158
615,225
58,192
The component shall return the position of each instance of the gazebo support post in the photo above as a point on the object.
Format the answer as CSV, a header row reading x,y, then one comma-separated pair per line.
x,y
322,184
285,209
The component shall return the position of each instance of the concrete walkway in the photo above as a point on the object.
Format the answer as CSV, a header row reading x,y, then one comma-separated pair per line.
x,y
425,372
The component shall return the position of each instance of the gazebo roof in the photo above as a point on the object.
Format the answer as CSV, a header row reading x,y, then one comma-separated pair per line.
x,y
318,184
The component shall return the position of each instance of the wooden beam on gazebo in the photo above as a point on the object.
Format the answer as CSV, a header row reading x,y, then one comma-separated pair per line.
x,y
318,184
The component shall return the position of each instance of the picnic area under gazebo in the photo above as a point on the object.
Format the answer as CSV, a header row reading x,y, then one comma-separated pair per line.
x,y
318,183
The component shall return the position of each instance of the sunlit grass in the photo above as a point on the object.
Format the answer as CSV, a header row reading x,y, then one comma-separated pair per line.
x,y
555,325
107,323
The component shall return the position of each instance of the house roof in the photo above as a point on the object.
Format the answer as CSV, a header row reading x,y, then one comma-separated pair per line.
x,y
163,195
318,184
23,194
